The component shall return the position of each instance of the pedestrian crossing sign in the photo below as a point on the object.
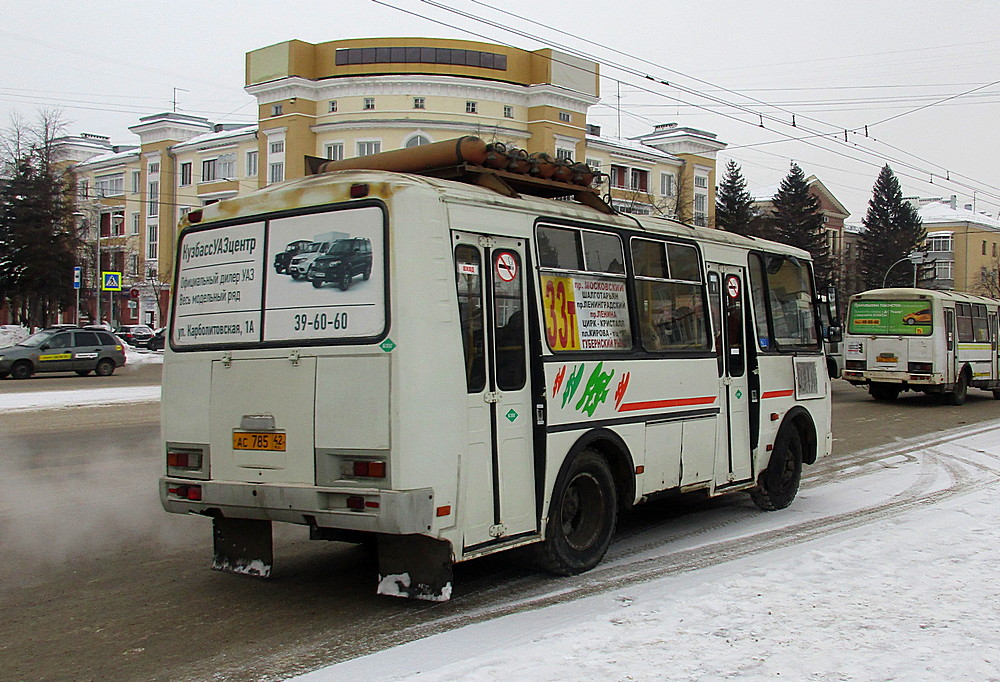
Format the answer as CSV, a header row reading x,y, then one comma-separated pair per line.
x,y
111,281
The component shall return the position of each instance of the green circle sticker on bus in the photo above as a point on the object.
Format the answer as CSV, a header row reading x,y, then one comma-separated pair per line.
x,y
387,345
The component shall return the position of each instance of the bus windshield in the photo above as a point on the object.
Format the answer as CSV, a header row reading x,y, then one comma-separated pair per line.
x,y
898,318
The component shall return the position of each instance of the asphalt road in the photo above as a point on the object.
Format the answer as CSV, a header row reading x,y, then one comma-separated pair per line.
x,y
100,583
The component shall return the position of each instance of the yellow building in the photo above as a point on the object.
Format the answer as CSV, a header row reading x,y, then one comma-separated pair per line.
x,y
349,98
964,244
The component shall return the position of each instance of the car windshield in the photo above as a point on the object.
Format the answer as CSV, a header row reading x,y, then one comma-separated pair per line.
x,y
340,248
36,340
312,247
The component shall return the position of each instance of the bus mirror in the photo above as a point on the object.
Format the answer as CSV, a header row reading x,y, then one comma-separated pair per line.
x,y
834,334
833,306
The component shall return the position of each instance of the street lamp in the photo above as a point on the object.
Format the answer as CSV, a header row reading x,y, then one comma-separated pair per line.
x,y
917,258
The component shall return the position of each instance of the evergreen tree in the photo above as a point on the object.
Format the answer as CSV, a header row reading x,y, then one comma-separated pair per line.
x,y
734,208
893,230
39,240
796,221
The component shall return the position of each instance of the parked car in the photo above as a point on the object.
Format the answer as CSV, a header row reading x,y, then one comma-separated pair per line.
x,y
63,350
345,260
137,335
159,339
282,259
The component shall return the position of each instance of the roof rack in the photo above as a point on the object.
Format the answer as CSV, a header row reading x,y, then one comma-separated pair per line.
x,y
505,170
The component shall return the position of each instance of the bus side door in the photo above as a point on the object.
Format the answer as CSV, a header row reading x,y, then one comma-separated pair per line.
x,y
733,455
497,470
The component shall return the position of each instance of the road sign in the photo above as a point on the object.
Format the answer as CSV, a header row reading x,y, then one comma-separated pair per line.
x,y
77,274
134,293
111,281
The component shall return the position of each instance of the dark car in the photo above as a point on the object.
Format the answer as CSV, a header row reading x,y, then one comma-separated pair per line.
x,y
345,259
137,335
283,258
159,339
63,350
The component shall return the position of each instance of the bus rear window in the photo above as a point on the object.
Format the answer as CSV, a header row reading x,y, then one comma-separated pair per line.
x,y
896,318
311,278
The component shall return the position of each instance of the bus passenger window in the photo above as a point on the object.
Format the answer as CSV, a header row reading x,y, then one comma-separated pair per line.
x,y
672,313
790,303
470,309
559,248
508,320
759,298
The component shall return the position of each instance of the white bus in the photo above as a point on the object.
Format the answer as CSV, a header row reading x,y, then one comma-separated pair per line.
x,y
907,339
509,369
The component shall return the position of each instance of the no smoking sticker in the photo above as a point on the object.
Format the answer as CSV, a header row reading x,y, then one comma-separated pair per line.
x,y
733,286
506,266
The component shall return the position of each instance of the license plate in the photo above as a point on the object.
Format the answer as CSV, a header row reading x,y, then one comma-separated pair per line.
x,y
252,440
887,358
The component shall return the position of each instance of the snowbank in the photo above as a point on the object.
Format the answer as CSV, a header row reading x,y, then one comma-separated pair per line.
x,y
83,397
11,334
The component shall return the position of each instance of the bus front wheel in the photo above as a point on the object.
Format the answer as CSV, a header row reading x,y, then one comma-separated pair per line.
x,y
779,483
582,516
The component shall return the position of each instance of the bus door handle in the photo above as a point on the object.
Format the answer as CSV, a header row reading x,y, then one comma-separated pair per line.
x,y
491,397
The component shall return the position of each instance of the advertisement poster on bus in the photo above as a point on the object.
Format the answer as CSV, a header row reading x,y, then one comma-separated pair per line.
x,y
585,313
320,277
904,318
326,279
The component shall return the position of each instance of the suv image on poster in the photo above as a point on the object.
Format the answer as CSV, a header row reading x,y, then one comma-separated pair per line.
x,y
342,262
300,264
283,259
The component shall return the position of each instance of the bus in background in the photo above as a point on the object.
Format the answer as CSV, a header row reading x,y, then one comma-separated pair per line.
x,y
511,369
939,342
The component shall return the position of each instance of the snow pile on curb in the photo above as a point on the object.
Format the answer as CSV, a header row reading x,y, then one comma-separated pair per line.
x,y
11,334
84,397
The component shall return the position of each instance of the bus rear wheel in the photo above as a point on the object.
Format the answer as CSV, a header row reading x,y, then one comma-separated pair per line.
x,y
582,516
885,393
778,485
957,395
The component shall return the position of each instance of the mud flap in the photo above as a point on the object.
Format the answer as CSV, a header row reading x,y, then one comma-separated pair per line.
x,y
414,566
242,546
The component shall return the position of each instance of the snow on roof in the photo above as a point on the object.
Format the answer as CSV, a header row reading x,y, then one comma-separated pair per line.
x,y
941,213
627,145
110,157
222,135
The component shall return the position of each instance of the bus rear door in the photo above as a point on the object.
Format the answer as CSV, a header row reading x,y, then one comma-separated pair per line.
x,y
497,470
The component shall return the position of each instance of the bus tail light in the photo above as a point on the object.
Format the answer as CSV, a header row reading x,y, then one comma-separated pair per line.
x,y
359,503
920,367
855,364
362,468
183,459
187,492
187,461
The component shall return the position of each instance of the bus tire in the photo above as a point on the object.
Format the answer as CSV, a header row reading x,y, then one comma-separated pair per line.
x,y
582,516
779,482
996,392
884,393
22,370
957,395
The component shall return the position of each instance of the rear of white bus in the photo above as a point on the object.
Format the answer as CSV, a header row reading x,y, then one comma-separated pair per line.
x,y
276,392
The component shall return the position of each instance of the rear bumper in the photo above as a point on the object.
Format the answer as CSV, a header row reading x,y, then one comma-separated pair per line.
x,y
891,377
385,511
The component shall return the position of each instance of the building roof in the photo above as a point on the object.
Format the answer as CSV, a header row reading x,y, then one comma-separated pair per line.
x,y
220,136
942,213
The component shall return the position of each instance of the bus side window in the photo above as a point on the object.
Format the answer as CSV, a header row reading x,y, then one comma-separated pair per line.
x,y
468,268
715,306
508,318
759,302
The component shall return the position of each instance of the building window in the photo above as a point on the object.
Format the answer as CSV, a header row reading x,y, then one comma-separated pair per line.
x,y
639,180
118,225
278,147
564,117
595,165
701,181
185,174
208,170
420,55
701,209
471,107
226,166
153,200
994,250
136,182
133,264
940,243
335,151
368,147
110,185
134,225
333,106
667,184
152,242
251,164
418,103
277,109
154,168
276,172
508,111
564,154
944,269
369,104
618,174
417,140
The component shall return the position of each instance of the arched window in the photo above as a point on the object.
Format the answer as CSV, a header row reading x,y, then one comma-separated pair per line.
x,y
417,140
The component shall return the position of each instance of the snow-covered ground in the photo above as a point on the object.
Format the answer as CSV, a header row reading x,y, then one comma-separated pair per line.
x,y
899,581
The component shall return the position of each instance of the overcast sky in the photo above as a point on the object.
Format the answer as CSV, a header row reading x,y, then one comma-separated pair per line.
x,y
924,77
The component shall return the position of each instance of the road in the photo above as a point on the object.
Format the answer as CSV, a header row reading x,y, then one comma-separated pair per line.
x,y
100,583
